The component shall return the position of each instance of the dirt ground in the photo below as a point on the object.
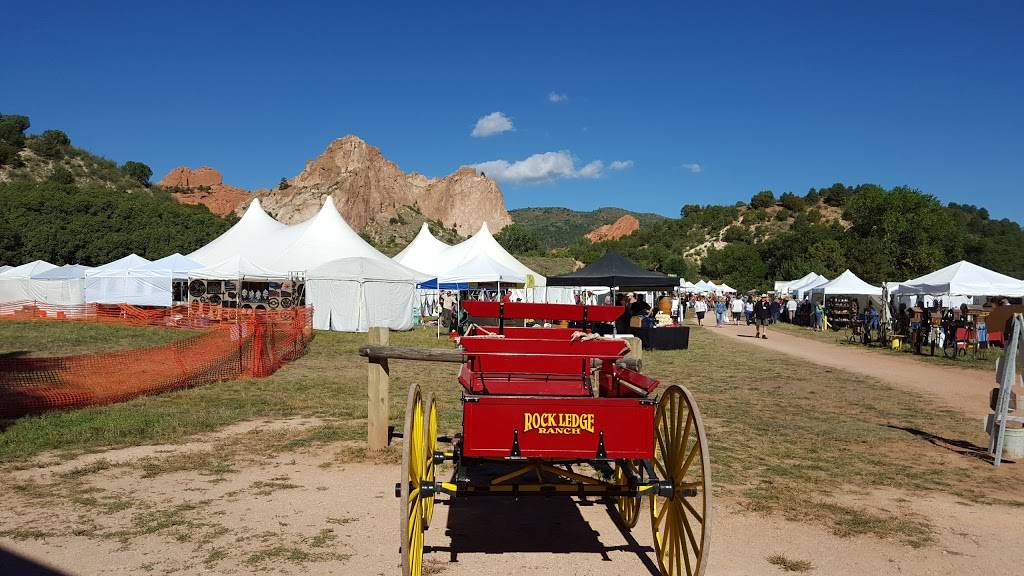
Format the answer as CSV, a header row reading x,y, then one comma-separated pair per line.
x,y
305,512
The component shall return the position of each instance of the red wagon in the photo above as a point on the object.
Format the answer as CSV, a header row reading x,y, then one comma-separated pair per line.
x,y
559,411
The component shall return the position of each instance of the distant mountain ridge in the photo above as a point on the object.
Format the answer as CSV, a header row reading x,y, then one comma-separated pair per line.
x,y
558,227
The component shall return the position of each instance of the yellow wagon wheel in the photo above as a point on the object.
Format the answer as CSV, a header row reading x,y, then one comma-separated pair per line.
x,y
681,522
430,446
411,503
628,507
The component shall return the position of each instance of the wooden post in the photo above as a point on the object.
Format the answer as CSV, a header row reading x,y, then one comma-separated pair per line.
x,y
378,383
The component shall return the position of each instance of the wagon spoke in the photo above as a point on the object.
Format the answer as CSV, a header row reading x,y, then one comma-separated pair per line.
x,y
697,515
689,459
689,532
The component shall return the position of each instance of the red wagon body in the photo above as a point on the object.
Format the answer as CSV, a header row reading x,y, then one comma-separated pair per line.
x,y
561,410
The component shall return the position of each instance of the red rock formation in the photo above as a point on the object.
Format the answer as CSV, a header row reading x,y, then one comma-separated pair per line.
x,y
367,187
205,186
620,228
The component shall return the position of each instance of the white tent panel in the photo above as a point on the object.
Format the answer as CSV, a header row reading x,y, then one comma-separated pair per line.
x,y
64,286
128,281
481,268
254,227
235,267
323,238
16,283
353,294
459,260
179,265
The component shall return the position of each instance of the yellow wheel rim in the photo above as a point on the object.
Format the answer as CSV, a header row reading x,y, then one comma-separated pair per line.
x,y
430,446
681,523
411,502
628,507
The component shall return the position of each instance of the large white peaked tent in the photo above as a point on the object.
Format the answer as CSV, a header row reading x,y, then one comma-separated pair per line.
x,y
251,230
352,294
128,281
481,247
963,279
847,284
179,266
16,283
323,238
236,267
423,253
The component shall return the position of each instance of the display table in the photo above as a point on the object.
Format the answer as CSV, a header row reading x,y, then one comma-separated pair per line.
x,y
667,338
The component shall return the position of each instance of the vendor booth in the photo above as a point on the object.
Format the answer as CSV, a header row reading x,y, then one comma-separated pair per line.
x,y
128,281
16,282
621,274
63,286
964,280
846,298
238,282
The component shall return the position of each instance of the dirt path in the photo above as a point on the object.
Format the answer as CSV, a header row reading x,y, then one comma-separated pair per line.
x,y
307,512
966,390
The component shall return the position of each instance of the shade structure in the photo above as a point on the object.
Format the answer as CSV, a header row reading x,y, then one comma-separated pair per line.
x,y
62,286
847,284
787,285
179,266
725,288
686,285
803,285
128,281
615,270
482,269
236,268
252,228
963,279
481,259
16,283
353,294
5,268
423,253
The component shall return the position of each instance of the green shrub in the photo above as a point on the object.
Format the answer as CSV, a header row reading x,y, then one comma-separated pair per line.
x,y
137,171
763,199
792,202
52,144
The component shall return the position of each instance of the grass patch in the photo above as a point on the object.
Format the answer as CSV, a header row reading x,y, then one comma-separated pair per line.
x,y
68,338
789,564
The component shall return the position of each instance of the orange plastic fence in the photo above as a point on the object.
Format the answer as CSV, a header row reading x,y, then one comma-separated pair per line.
x,y
239,343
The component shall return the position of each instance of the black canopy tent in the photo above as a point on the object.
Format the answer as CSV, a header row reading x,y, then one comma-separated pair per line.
x,y
615,271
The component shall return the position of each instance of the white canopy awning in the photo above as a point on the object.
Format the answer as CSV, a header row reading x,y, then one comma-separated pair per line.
x,y
848,284
963,279
481,259
234,268
128,281
481,268
365,269
179,266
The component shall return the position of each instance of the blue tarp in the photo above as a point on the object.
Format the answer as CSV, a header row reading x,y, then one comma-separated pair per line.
x,y
432,285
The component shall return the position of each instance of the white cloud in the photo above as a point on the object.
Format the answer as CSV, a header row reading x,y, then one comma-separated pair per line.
x,y
493,123
620,165
556,97
694,167
540,168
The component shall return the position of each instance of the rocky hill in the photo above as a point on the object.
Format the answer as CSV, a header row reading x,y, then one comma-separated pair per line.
x,y
370,191
205,186
622,227
562,227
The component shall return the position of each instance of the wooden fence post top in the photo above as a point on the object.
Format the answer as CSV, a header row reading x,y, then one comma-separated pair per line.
x,y
377,394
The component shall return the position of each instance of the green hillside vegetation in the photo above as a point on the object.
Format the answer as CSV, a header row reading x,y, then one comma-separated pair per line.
x,y
881,234
65,205
562,227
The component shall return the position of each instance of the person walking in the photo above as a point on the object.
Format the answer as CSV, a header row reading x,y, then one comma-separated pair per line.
x,y
762,314
748,311
700,307
737,310
720,311
791,310
774,309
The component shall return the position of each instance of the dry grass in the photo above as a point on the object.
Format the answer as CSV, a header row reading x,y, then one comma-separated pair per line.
x,y
789,564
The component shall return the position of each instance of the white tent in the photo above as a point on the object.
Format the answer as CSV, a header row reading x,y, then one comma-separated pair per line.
x,y
323,238
963,279
352,294
686,285
16,283
5,268
423,253
725,288
251,230
64,286
236,268
805,284
128,281
702,287
847,284
179,266
460,260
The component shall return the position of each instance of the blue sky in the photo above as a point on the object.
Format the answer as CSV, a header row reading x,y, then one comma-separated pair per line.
x,y
701,103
